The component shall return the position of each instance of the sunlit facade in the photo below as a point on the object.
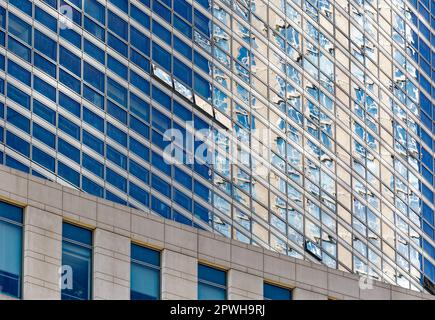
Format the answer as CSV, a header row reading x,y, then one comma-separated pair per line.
x,y
318,114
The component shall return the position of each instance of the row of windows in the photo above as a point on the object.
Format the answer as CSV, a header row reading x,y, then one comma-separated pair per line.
x,y
76,273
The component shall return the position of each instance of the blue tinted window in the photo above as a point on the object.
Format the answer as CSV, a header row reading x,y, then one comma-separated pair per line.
x,y
94,51
24,5
70,61
116,157
93,165
160,121
69,127
19,49
71,36
138,171
44,65
68,80
161,32
43,158
139,127
18,120
11,218
93,96
162,57
117,92
77,254
159,162
43,135
117,25
183,27
44,88
139,194
272,292
139,107
162,11
160,207
17,144
68,150
45,45
145,273
140,41
19,28
183,178
93,119
116,112
140,16
94,29
117,134
182,199
116,180
179,217
161,97
139,149
93,142
2,17
117,44
93,76
160,185
12,163
202,23
211,283
19,72
182,112
201,213
182,48
117,67
202,86
182,72
95,10
184,9
46,19
201,62
92,187
139,60
121,4
139,83
18,96
44,112
112,197
69,104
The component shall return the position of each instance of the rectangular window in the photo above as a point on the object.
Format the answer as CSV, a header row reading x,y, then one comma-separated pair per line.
x,y
272,292
11,242
212,283
145,273
76,262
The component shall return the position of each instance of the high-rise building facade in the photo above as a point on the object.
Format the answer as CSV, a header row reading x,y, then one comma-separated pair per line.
x,y
305,127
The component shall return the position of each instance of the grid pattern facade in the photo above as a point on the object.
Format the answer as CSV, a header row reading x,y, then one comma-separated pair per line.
x,y
333,98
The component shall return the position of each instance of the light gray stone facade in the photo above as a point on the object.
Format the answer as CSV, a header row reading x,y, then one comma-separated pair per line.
x,y
115,227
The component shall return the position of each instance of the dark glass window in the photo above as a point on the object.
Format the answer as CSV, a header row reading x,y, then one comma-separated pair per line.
x,y
17,144
272,292
76,263
11,243
18,96
145,273
118,25
18,120
20,29
212,283
93,76
45,45
43,158
96,10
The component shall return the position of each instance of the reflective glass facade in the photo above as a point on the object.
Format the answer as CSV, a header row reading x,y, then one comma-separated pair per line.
x,y
318,117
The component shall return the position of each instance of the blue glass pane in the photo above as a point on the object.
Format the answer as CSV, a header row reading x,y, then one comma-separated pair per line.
x,y
212,275
11,212
272,292
10,257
